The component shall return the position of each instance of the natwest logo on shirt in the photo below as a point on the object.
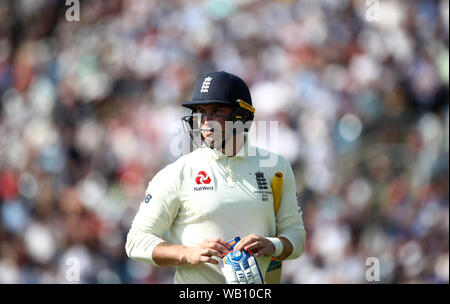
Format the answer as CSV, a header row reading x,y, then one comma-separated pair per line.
x,y
203,179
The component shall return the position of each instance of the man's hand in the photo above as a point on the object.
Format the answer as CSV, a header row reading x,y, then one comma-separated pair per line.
x,y
261,246
258,245
206,250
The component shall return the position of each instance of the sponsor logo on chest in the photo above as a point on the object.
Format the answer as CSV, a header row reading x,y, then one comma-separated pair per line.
x,y
203,182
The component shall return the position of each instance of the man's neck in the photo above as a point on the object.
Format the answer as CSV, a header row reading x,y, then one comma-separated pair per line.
x,y
233,145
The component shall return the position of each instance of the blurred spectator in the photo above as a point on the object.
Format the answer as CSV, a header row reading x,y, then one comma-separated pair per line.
x,y
89,112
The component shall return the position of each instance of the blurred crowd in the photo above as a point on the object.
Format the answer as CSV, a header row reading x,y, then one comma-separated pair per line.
x,y
90,111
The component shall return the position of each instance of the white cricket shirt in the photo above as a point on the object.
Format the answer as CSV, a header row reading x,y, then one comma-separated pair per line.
x,y
206,194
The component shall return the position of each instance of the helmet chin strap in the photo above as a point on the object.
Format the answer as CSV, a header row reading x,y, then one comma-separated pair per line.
x,y
227,138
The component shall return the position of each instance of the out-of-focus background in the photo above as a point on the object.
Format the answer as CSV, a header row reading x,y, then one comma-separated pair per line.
x,y
89,110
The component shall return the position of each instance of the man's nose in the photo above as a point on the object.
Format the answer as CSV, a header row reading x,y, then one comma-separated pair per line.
x,y
207,117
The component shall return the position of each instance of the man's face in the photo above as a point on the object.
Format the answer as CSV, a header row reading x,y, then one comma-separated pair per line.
x,y
213,120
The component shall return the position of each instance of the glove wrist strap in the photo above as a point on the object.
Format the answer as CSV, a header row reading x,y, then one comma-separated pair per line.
x,y
277,244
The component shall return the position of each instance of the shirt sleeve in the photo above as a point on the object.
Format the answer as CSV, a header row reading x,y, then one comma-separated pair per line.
x,y
156,214
289,221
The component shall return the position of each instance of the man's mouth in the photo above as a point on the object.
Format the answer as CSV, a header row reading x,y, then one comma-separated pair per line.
x,y
207,132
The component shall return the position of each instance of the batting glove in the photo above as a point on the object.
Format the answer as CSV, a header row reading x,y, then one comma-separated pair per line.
x,y
240,267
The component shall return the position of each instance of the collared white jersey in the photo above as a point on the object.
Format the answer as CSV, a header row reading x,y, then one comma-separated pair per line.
x,y
206,194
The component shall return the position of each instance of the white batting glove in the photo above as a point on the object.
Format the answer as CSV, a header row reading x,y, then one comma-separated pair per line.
x,y
240,267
